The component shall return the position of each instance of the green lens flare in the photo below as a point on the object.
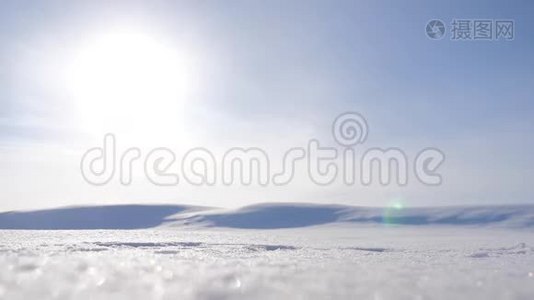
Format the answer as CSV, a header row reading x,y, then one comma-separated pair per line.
x,y
391,213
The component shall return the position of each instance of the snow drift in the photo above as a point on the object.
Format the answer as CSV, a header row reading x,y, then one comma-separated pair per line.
x,y
92,217
263,216
291,215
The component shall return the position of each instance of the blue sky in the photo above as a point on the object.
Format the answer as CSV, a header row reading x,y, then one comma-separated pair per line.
x,y
275,74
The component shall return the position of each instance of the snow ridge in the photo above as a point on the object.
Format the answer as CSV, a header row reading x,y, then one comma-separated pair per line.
x,y
264,216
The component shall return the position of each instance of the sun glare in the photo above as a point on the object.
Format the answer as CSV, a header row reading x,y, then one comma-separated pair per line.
x,y
128,82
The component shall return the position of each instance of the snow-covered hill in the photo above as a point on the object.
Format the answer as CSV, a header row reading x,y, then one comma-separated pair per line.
x,y
93,217
292,215
264,216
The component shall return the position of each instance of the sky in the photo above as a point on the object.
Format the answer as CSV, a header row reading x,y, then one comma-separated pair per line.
x,y
266,74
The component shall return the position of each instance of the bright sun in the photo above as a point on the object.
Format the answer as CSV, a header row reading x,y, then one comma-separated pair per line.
x,y
128,82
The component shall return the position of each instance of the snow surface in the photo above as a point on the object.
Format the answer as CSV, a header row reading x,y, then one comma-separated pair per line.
x,y
326,252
